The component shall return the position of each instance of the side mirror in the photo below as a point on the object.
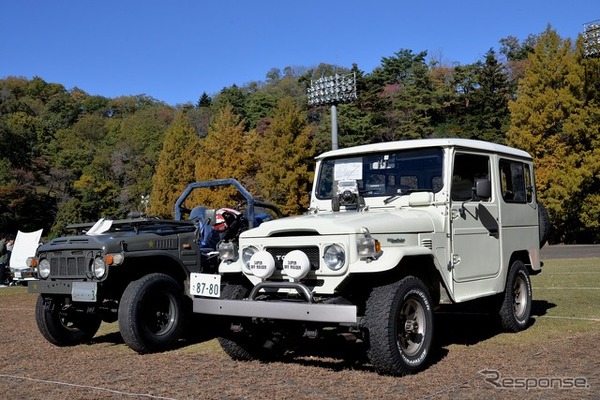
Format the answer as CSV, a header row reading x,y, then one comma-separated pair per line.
x,y
483,188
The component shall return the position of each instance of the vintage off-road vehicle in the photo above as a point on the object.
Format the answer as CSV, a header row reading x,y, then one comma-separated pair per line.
x,y
394,231
135,270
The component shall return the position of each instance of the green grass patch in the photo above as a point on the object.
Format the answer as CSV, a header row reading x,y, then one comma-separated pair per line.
x,y
571,288
566,302
12,290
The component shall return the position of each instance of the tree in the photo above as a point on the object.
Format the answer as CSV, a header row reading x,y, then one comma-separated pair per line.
x,y
77,145
400,92
205,101
175,169
135,142
235,97
516,56
286,152
226,152
552,121
490,101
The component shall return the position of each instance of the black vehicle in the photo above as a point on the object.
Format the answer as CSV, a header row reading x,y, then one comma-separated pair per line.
x,y
135,271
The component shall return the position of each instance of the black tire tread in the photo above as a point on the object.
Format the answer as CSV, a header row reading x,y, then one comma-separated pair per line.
x,y
508,320
238,346
53,330
131,327
383,351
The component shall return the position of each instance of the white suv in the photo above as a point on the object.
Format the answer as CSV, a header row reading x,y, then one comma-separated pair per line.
x,y
434,221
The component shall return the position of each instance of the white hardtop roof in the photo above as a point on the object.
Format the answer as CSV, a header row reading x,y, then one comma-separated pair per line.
x,y
420,143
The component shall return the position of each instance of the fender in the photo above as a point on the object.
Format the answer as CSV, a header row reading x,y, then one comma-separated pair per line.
x,y
390,258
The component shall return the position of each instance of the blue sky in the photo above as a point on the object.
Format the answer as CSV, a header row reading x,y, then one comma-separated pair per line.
x,y
175,50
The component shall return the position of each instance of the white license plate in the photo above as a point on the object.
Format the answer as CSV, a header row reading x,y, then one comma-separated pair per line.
x,y
84,291
207,285
18,275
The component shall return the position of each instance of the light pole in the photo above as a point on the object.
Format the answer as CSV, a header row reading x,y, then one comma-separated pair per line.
x,y
591,39
332,90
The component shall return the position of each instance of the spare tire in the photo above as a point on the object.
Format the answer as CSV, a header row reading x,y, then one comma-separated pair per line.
x,y
544,223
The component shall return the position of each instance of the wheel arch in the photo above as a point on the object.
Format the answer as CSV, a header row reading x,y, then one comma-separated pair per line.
x,y
135,268
524,257
422,267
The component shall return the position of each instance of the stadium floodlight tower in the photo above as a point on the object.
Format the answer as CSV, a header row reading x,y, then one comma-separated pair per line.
x,y
591,39
332,90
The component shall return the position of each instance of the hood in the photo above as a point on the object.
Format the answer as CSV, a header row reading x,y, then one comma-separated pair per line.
x,y
351,222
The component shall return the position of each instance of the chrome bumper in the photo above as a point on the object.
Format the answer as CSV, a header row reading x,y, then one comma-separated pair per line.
x,y
333,313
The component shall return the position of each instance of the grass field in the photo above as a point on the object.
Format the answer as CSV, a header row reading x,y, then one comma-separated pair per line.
x,y
566,299
562,341
571,290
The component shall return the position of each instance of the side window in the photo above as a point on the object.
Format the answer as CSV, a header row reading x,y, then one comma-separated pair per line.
x,y
468,168
515,182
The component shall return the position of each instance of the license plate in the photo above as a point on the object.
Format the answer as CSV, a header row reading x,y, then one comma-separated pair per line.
x,y
18,275
207,285
84,291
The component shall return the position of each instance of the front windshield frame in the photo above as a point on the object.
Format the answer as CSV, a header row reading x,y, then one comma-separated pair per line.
x,y
385,173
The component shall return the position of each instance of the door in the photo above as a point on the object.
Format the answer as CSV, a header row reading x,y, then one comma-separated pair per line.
x,y
475,230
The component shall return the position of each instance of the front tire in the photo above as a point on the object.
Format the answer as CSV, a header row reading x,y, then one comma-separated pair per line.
x,y
151,314
243,345
399,319
61,327
515,310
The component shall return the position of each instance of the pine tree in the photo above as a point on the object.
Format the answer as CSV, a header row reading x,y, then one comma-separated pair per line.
x,y
286,152
490,109
175,169
552,121
226,152
401,95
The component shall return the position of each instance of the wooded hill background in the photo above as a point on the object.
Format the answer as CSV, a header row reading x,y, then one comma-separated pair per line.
x,y
67,156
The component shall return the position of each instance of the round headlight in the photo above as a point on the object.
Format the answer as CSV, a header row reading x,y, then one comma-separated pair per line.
x,y
44,268
334,257
228,251
247,254
99,267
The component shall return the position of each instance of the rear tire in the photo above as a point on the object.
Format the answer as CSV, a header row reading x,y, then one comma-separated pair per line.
x,y
399,318
62,328
151,313
335,204
544,223
515,310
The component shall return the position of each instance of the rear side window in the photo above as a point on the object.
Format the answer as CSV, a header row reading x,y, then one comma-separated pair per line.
x,y
515,182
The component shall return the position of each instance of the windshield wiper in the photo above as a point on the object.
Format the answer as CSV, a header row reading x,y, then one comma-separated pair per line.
x,y
403,192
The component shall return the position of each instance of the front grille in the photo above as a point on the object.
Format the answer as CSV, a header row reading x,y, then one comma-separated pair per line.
x,y
279,252
70,264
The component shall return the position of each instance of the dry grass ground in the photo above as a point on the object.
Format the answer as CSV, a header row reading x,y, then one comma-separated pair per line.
x,y
560,348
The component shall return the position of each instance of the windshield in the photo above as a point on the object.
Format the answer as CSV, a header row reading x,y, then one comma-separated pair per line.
x,y
385,173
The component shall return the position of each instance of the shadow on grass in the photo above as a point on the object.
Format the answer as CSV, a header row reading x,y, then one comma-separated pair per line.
x,y
458,324
540,307
199,329
468,324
